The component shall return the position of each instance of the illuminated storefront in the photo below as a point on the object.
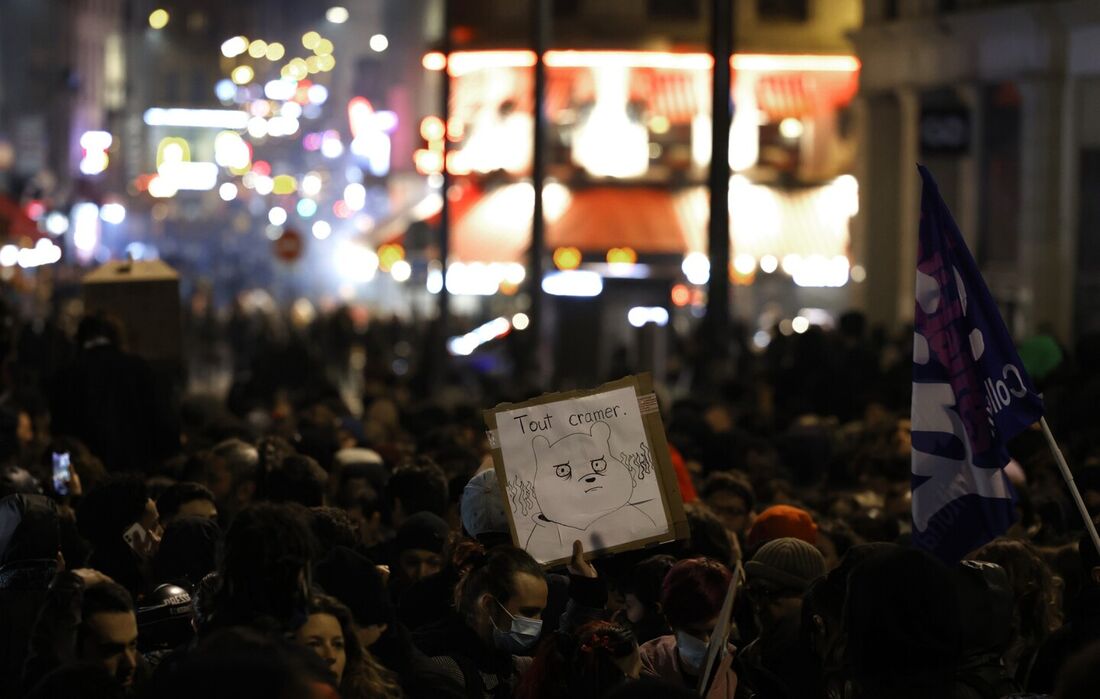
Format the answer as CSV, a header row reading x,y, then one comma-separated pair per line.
x,y
628,146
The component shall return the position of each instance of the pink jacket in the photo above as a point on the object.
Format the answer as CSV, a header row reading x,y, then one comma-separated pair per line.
x,y
660,660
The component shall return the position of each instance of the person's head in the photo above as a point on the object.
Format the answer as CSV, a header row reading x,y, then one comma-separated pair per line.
x,y
296,478
364,509
232,472
186,499
642,588
503,598
730,496
239,663
331,527
420,486
778,575
354,580
1033,584
116,503
266,563
328,631
165,619
691,596
779,521
107,634
482,509
419,545
709,537
901,623
188,551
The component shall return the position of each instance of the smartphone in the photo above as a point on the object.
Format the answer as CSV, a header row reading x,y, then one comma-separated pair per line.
x,y
62,472
135,536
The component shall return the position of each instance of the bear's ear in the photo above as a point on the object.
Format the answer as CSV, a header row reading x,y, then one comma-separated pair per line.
x,y
601,431
541,445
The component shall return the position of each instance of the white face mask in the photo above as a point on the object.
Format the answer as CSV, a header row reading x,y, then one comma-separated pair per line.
x,y
692,650
522,635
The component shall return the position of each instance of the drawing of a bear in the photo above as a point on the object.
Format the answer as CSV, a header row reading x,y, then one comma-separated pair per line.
x,y
578,482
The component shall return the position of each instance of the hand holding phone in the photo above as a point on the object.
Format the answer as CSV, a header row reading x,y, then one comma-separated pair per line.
x,y
62,472
141,540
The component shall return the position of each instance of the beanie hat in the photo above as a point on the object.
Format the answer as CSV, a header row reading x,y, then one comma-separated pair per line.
x,y
483,506
788,563
780,521
424,530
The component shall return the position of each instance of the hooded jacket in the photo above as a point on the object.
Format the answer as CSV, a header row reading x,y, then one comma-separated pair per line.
x,y
29,541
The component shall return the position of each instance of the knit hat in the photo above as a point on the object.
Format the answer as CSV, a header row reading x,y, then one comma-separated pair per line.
x,y
780,521
423,530
483,505
788,563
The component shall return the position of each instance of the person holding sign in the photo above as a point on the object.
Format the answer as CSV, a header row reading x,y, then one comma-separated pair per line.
x,y
500,604
692,598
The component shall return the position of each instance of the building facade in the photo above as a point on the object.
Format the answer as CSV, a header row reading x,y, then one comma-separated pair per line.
x,y
999,100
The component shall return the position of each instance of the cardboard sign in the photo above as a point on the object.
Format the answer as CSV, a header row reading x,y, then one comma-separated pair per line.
x,y
589,465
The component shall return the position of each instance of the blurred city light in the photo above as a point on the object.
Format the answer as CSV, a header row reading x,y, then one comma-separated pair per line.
x,y
275,51
354,262
95,145
638,316
465,345
401,271
306,208
85,226
800,325
158,19
257,48
321,230
379,43
113,213
227,191
277,215
337,15
567,258
520,321
242,75
573,283
197,118
231,48
744,263
225,90
790,128
769,263
57,223
858,274
696,267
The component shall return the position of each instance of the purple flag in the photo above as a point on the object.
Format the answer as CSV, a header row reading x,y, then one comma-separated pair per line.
x,y
971,394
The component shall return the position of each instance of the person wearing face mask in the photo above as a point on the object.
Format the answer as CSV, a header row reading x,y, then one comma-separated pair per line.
x,y
691,597
499,606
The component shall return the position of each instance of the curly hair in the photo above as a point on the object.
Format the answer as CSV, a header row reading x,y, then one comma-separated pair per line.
x,y
1034,586
268,549
364,677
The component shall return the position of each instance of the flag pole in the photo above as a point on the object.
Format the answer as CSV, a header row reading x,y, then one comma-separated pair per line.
x,y
1068,477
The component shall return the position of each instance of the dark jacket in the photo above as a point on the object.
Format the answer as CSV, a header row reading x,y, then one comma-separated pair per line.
x,y
28,561
1082,629
477,670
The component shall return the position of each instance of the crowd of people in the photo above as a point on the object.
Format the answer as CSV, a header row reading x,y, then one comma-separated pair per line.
x,y
292,542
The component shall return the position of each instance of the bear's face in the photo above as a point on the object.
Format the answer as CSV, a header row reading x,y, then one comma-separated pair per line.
x,y
577,480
